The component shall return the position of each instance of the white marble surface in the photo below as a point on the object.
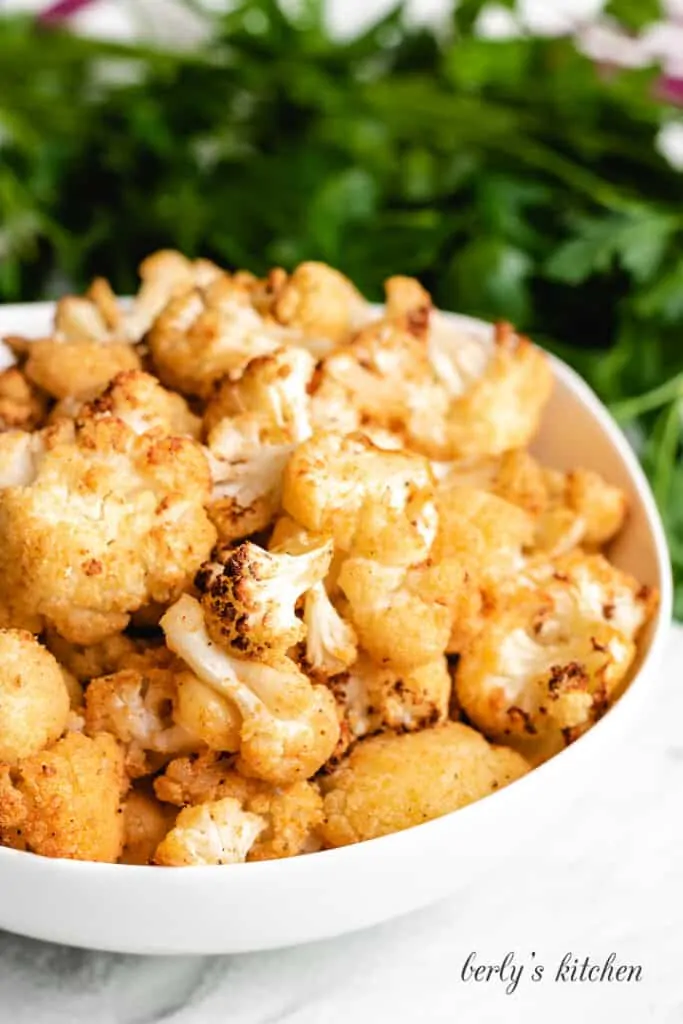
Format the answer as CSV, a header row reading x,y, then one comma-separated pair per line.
x,y
617,888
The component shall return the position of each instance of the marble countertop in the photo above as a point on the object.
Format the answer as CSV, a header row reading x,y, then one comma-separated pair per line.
x,y
617,888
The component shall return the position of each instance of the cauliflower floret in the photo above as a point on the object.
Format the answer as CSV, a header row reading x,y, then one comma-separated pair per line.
x,y
373,698
202,335
317,301
65,801
385,376
212,833
331,642
274,388
146,821
250,601
569,509
98,521
34,699
603,592
292,813
136,705
546,666
88,662
165,274
139,401
405,296
392,782
254,425
206,714
378,503
89,346
497,392
403,617
289,727
22,406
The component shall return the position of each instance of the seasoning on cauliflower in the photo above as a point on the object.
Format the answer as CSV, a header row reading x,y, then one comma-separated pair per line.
x,y
136,706
569,509
254,425
289,726
98,522
213,833
403,616
204,334
273,388
139,401
292,813
87,348
497,392
65,801
34,699
549,664
374,698
146,821
378,503
250,601
22,405
392,782
331,642
89,662
164,275
317,301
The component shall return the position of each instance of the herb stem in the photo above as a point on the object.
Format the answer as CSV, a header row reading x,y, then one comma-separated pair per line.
x,y
666,452
630,408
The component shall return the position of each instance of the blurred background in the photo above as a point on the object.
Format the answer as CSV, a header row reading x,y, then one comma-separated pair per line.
x,y
525,160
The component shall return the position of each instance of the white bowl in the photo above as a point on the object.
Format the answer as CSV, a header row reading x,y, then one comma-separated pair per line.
x,y
278,903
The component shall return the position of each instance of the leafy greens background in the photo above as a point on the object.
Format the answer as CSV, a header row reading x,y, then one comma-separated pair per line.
x,y
514,177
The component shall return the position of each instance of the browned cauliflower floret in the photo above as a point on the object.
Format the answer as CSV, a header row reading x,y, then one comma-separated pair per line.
x,y
139,401
97,522
165,274
22,405
254,425
403,617
385,377
291,813
146,821
497,392
274,389
568,509
204,334
213,833
88,662
373,698
392,782
318,301
378,503
331,641
136,705
65,801
34,699
289,726
89,346
250,601
549,663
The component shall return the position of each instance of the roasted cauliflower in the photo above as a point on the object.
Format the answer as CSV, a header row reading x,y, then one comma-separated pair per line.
x,y
393,782
247,592
291,813
219,832
375,503
34,699
289,726
98,521
249,602
549,663
66,800
22,405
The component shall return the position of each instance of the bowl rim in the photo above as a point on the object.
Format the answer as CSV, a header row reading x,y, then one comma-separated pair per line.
x,y
382,846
